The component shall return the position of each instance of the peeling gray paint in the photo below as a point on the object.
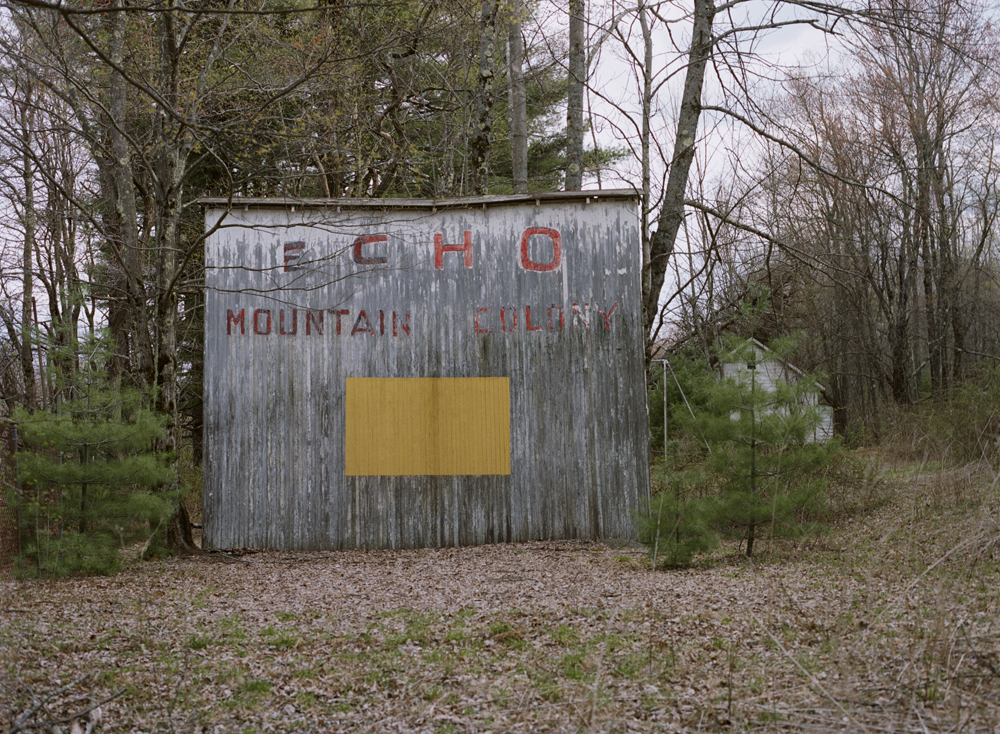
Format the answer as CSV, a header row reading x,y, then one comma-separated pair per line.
x,y
296,303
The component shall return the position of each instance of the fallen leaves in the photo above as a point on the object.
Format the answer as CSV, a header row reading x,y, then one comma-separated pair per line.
x,y
548,636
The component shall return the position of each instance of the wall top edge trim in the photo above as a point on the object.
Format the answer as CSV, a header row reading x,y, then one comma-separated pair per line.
x,y
467,202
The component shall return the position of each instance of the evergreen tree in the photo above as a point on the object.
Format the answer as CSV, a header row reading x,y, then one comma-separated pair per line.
x,y
760,428
741,454
90,481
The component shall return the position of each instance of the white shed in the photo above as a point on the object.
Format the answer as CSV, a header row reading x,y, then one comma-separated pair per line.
x,y
770,368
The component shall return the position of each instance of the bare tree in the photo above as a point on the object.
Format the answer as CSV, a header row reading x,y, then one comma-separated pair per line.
x,y
877,254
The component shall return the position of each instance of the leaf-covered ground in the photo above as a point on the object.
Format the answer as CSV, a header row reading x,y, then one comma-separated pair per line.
x,y
891,622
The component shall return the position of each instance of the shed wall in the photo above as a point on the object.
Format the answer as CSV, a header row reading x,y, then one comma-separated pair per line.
x,y
768,372
300,302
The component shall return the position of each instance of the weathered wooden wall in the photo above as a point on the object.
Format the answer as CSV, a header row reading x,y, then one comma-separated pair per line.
x,y
304,298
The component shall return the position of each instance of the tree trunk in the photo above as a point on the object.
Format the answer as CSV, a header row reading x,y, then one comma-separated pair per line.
x,y
27,284
647,103
131,324
574,100
672,211
174,142
179,537
518,106
479,143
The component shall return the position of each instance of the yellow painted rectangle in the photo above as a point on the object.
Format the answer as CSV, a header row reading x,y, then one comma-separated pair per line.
x,y
404,426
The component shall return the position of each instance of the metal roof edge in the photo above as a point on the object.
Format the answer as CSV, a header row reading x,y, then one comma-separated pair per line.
x,y
465,202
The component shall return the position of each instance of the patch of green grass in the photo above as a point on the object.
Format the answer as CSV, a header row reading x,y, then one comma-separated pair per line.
x,y
378,674
396,639
434,656
503,632
808,663
306,700
280,639
502,697
416,629
285,640
631,666
227,674
613,641
199,642
229,628
256,687
201,599
563,634
286,616
574,666
930,693
547,688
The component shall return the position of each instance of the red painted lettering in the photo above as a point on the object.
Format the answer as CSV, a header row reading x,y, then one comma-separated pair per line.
x,y
478,329
562,317
527,263
281,322
256,321
381,322
508,315
232,318
314,318
361,259
607,316
404,325
527,320
579,314
440,248
338,312
293,253
367,328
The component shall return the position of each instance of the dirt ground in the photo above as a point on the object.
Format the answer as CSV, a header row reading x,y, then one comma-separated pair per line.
x,y
889,623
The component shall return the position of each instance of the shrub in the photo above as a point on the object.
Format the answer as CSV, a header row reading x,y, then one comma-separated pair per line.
x,y
90,479
676,526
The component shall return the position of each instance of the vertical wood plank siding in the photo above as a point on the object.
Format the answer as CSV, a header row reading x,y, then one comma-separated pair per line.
x,y
302,298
